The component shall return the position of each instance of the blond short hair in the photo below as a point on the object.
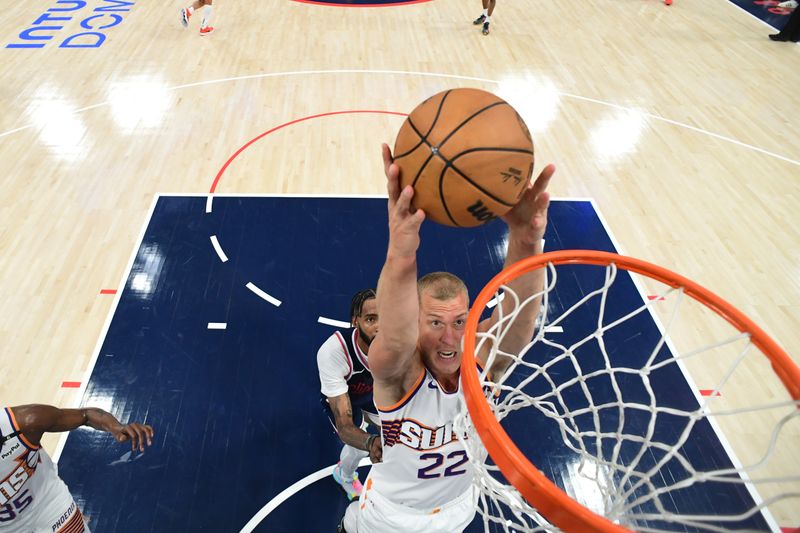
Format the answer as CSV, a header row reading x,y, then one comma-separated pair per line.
x,y
442,286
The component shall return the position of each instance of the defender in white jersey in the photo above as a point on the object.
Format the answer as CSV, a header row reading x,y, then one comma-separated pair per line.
x,y
424,483
33,499
346,387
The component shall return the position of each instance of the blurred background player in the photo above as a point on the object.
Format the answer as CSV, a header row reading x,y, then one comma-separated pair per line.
x,y
187,12
790,31
32,496
346,385
486,16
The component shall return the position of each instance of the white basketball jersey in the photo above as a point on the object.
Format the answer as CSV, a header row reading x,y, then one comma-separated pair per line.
x,y
27,477
424,465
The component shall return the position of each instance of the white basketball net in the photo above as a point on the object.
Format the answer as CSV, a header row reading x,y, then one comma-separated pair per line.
x,y
632,477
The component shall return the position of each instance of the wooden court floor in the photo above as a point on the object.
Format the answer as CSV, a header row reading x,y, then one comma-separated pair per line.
x,y
681,123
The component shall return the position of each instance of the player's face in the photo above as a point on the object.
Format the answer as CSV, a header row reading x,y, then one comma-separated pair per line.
x,y
367,321
441,327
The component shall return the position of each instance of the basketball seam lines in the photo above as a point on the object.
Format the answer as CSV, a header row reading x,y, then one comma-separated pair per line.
x,y
421,141
484,191
421,168
438,114
449,162
424,138
492,149
475,114
441,193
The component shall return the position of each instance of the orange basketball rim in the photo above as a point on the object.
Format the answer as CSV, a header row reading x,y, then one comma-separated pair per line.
x,y
543,494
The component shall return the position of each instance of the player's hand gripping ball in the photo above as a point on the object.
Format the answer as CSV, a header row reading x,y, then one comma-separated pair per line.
x,y
468,155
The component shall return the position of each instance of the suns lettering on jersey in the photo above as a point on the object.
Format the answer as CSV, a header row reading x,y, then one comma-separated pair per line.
x,y
14,481
416,435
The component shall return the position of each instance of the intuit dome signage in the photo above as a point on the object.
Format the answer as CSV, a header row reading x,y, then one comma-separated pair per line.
x,y
73,24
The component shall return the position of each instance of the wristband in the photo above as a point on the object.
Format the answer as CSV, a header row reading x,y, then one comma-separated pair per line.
x,y
368,442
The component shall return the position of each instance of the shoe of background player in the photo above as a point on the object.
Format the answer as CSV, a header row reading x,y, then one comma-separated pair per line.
x,y
352,487
185,16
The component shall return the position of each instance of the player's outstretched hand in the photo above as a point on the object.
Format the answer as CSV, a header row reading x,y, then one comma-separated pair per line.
x,y
403,224
138,434
528,219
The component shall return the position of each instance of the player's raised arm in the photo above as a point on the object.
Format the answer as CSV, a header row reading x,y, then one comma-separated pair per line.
x,y
398,304
35,420
527,222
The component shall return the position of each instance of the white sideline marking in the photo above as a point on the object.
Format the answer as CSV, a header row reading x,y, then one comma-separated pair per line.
x,y
78,397
723,439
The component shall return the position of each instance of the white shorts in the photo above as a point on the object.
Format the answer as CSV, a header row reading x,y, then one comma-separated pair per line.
x,y
54,512
373,513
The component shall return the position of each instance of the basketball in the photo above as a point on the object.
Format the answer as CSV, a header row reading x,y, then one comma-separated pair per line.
x,y
468,155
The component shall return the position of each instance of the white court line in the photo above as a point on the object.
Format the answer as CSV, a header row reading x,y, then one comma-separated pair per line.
x,y
435,75
290,491
210,197
332,322
723,439
547,329
102,337
217,325
271,299
762,21
218,249
494,301
280,195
